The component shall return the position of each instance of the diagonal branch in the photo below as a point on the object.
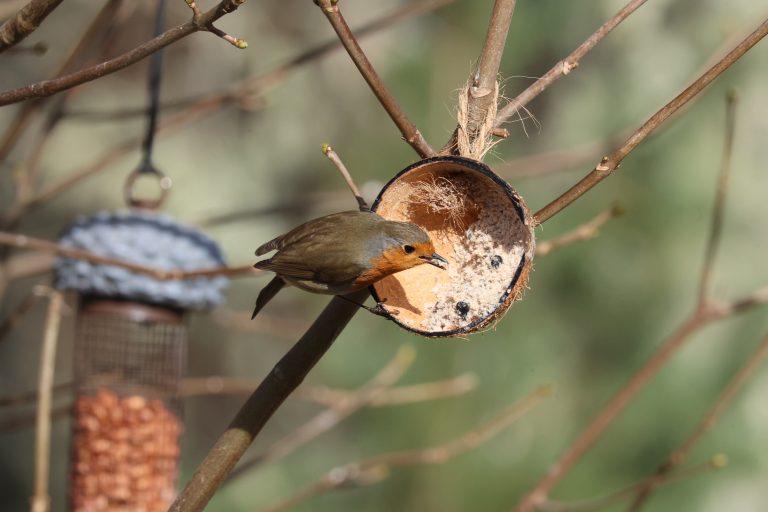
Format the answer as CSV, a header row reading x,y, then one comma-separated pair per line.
x,y
707,422
718,210
50,87
25,242
481,92
586,231
409,131
377,468
610,163
29,17
566,65
329,418
287,374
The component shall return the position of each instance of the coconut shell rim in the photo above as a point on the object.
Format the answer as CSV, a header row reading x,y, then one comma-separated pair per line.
x,y
511,293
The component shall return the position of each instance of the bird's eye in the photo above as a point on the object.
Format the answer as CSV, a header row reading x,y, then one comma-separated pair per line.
x,y
408,249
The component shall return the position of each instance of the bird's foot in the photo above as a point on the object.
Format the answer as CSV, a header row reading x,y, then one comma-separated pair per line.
x,y
380,310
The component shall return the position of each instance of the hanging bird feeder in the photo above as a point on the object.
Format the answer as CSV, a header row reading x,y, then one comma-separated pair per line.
x,y
130,355
479,224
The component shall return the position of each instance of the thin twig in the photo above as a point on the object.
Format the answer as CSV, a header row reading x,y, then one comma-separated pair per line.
x,y
717,462
29,17
329,418
333,157
25,242
586,231
41,500
377,468
400,395
610,163
709,420
409,131
53,86
95,30
262,404
16,316
203,106
705,312
565,66
718,209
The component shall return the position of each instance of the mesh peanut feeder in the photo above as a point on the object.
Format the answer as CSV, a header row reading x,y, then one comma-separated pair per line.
x,y
479,224
130,353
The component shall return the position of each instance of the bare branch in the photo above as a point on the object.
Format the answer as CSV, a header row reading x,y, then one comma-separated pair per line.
x,y
377,468
53,86
586,231
718,210
709,420
25,242
29,17
409,131
22,118
566,65
333,157
15,317
261,405
610,163
602,502
482,89
329,418
40,501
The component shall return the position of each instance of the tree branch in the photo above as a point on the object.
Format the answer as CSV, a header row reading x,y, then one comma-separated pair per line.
x,y
262,404
409,131
50,87
586,231
480,93
707,422
29,17
25,242
565,66
610,163
376,468
329,418
40,501
718,210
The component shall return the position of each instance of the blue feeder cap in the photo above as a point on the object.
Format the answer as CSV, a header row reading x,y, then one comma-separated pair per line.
x,y
144,238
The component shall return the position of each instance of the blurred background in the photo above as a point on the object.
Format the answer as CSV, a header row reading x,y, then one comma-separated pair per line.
x,y
594,312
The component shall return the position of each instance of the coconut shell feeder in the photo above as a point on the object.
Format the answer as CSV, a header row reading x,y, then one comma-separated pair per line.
x,y
479,224
130,355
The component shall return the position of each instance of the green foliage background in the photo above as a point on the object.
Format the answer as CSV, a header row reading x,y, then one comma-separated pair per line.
x,y
594,310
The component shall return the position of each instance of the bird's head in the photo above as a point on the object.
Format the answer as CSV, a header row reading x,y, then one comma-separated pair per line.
x,y
404,245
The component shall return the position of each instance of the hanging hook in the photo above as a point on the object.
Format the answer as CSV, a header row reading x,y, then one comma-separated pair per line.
x,y
132,198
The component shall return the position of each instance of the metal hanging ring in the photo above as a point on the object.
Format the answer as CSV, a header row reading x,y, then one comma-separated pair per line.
x,y
163,183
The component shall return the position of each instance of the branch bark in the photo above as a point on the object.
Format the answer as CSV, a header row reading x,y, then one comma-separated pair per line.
x,y
50,87
409,131
610,163
565,66
289,372
29,17
41,500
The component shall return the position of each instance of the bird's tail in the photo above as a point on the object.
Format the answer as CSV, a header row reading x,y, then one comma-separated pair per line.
x,y
267,294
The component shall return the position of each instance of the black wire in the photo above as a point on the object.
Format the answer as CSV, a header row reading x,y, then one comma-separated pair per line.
x,y
155,74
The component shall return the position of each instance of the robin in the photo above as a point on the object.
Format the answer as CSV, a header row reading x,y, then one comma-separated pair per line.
x,y
342,253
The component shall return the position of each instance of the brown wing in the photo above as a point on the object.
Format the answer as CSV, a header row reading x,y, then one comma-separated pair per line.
x,y
324,228
322,250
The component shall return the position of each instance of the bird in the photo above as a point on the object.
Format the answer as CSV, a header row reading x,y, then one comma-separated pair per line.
x,y
344,252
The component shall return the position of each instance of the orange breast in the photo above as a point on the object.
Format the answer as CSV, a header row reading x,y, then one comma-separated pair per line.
x,y
387,264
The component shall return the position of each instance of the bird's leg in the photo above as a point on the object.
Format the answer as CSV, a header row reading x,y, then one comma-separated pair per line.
x,y
377,310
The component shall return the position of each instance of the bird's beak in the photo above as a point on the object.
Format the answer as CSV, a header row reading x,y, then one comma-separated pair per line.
x,y
436,260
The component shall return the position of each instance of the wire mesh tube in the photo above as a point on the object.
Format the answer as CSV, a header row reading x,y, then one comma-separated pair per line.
x,y
129,360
